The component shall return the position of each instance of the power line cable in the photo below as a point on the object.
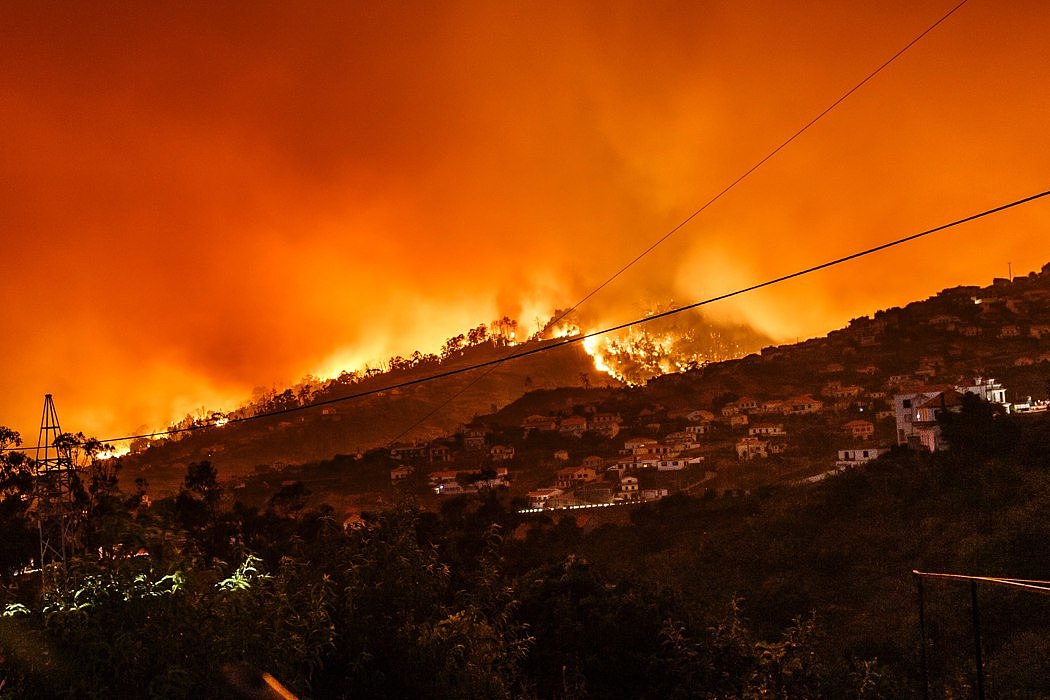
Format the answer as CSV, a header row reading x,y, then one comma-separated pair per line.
x,y
1028,584
553,345
724,191
638,257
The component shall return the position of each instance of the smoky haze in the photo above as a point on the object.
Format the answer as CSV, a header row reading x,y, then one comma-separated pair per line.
x,y
202,198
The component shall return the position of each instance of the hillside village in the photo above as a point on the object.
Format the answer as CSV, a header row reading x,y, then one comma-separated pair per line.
x,y
655,542
791,413
787,414
697,487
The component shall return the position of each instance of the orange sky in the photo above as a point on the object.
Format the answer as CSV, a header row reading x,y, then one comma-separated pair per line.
x,y
203,197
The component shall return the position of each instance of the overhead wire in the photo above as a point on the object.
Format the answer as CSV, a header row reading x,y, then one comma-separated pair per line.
x,y
1027,584
725,190
563,342
721,193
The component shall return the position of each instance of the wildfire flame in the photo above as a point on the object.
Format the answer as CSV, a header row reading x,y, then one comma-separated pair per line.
x,y
633,356
113,452
636,355
640,356
564,330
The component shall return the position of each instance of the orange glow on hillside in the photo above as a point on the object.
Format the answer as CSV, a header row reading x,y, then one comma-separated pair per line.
x,y
203,200
674,344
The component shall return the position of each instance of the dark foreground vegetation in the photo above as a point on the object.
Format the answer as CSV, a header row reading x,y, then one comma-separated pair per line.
x,y
805,592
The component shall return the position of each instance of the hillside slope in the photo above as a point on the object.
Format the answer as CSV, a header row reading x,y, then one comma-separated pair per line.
x,y
419,412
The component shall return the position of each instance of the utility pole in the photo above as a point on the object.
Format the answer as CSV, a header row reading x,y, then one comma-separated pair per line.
x,y
54,498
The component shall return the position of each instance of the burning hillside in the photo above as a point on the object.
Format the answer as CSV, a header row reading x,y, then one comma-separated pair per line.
x,y
674,344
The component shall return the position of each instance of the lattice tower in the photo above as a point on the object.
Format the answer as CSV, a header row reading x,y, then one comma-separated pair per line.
x,y
54,494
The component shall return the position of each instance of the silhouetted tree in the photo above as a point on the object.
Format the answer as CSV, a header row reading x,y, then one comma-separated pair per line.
x,y
16,484
979,431
477,336
197,509
452,346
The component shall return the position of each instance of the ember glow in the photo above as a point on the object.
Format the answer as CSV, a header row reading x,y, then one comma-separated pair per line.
x,y
640,356
115,451
639,353
565,330
202,199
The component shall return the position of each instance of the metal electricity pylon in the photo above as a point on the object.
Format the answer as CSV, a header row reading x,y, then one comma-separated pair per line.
x,y
54,492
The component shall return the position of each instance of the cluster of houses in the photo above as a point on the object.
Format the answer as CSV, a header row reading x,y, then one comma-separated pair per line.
x,y
450,482
882,409
592,491
916,412
455,482
857,399
766,437
441,451
599,480
746,406
756,434
615,480
605,424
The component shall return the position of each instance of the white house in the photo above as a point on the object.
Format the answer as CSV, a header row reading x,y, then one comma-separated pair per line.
x,y
629,488
917,417
752,448
402,451
442,477
573,425
916,413
541,498
570,476
402,472
474,439
770,407
859,455
746,403
858,429
667,465
988,389
802,405
642,447
767,430
632,446
439,453
501,453
537,422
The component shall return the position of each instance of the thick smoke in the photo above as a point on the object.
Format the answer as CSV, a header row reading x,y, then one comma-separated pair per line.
x,y
199,199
